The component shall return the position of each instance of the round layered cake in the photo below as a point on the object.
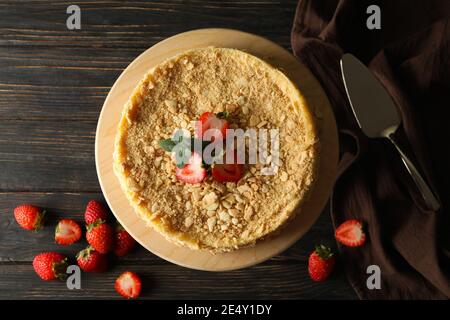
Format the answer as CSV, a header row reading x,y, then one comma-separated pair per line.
x,y
216,207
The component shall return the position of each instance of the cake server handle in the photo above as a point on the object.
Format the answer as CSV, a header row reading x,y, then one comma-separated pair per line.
x,y
428,195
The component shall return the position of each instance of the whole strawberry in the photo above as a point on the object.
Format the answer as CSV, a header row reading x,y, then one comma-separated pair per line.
x,y
321,263
50,265
95,211
124,243
29,217
100,236
90,260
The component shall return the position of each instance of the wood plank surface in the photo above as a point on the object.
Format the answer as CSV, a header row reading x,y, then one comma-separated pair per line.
x,y
167,281
20,245
53,82
47,156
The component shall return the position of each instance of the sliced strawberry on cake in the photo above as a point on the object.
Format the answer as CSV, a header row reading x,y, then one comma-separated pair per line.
x,y
193,172
228,172
209,120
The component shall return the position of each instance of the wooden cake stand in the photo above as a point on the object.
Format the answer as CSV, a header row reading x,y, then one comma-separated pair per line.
x,y
111,113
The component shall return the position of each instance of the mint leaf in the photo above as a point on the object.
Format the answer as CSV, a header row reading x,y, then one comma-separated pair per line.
x,y
182,147
180,165
167,144
179,157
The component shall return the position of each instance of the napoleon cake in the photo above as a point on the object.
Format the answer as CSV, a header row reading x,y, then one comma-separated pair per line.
x,y
216,207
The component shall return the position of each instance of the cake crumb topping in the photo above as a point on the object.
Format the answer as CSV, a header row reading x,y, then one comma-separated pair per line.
x,y
212,215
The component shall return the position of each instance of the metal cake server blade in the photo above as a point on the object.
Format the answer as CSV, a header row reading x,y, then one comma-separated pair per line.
x,y
377,115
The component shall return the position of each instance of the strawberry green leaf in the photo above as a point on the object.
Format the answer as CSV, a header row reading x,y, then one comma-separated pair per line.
x,y
324,252
222,115
59,269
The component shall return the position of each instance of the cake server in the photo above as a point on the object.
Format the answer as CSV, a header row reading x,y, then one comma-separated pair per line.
x,y
377,115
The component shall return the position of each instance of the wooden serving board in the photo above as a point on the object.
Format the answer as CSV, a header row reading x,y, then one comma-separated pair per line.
x,y
111,113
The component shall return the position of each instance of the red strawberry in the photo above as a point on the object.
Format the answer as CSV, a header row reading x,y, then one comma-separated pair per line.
x,y
228,172
351,233
29,217
50,265
90,260
95,211
128,285
225,172
100,236
124,242
320,263
209,120
193,172
67,232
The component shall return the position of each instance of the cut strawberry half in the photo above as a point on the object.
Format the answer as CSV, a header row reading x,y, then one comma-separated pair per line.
x,y
67,232
128,285
351,233
209,120
228,172
193,172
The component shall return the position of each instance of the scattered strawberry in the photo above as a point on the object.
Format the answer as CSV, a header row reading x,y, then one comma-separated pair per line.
x,y
67,232
124,243
209,120
91,260
95,211
320,263
128,285
193,172
225,172
351,234
29,217
50,265
100,236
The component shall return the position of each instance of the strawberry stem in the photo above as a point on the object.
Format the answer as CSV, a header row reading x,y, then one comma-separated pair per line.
x,y
39,220
222,115
94,224
60,268
324,251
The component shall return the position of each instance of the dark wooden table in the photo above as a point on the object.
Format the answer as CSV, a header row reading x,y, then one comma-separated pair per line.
x,y
52,85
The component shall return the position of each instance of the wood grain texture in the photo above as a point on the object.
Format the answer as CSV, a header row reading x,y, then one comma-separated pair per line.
x,y
47,156
52,86
18,245
284,276
169,282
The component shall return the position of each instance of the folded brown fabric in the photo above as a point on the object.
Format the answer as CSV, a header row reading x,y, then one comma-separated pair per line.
x,y
410,55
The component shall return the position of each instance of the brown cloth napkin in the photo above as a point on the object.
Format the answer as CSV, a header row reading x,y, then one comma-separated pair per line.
x,y
410,55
